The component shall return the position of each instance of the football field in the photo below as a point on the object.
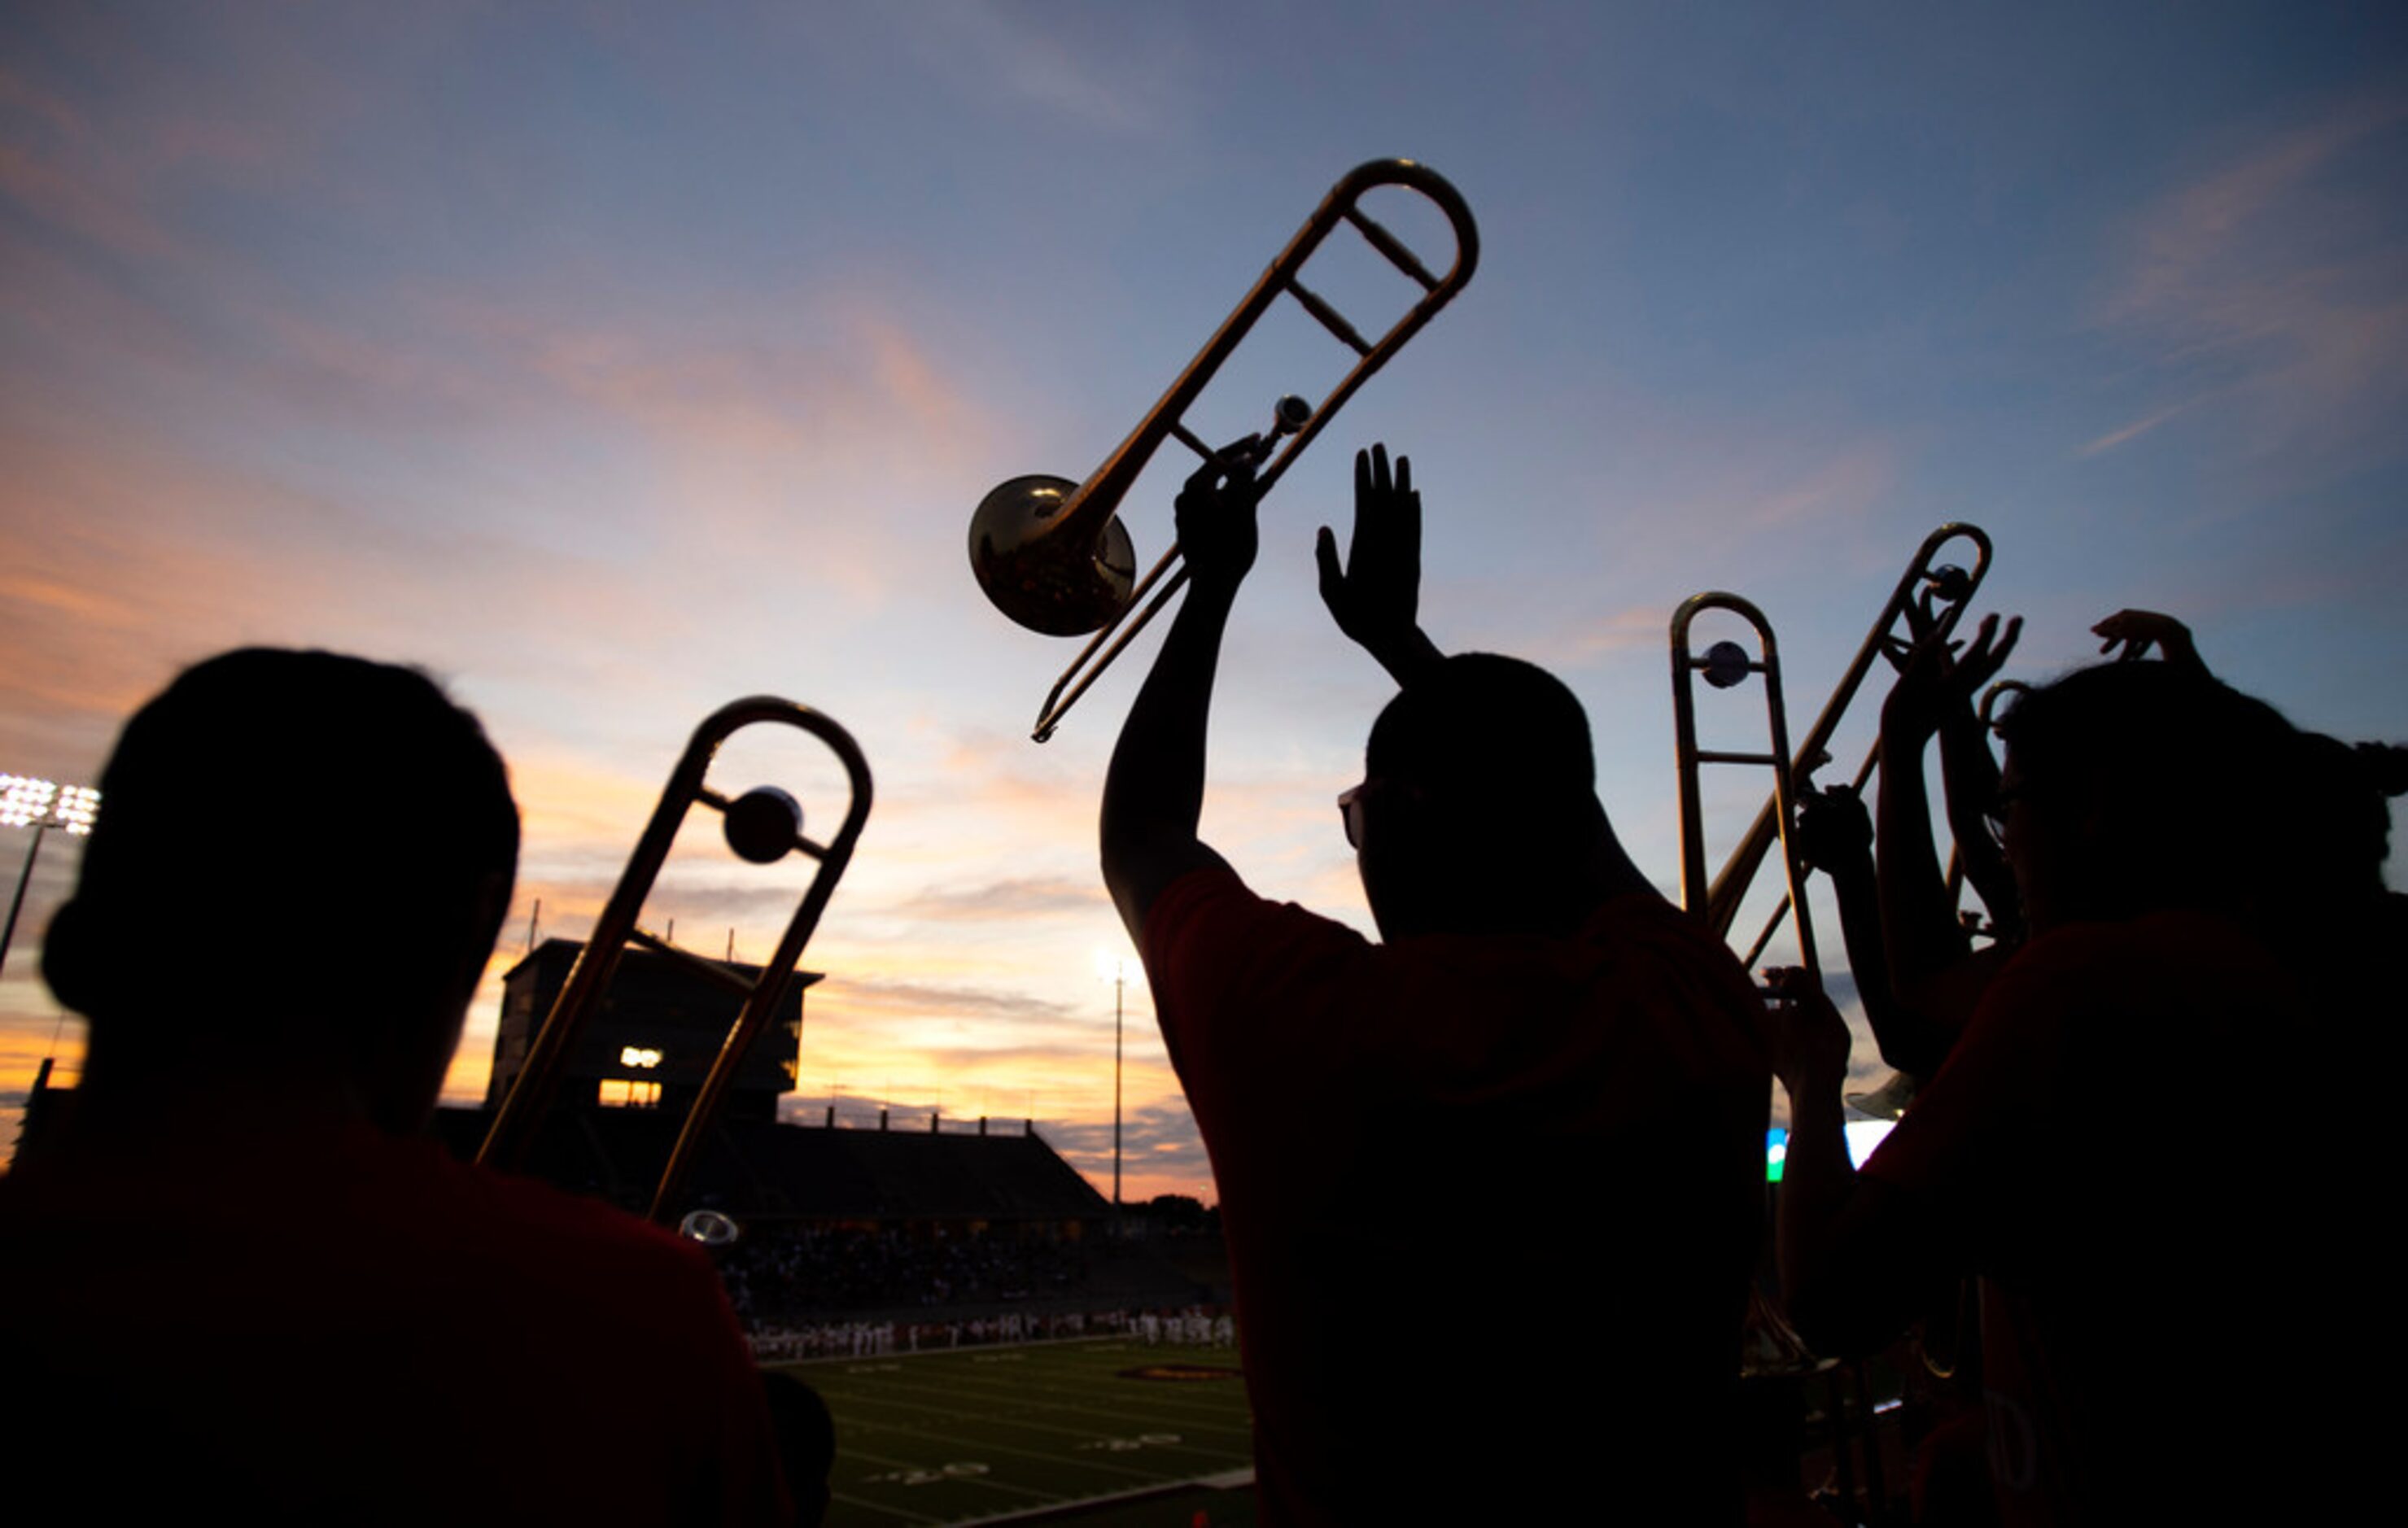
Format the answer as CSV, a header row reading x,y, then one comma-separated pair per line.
x,y
992,1433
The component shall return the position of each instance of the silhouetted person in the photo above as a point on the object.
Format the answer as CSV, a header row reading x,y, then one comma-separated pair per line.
x,y
1537,1107
806,1436
2161,1224
241,1284
1935,977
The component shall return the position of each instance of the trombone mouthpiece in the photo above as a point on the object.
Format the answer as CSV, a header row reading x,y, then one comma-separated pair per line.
x,y
1289,415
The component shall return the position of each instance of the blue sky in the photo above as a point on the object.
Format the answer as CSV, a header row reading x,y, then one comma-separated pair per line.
x,y
613,364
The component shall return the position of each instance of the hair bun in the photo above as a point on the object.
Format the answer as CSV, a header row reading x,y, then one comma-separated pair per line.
x,y
2386,765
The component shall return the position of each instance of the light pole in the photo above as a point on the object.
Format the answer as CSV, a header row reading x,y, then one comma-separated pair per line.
x,y
1115,970
41,806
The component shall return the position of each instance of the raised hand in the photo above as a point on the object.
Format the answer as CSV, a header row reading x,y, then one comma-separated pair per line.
x,y
1835,831
1807,1038
1973,669
1935,681
1378,593
2136,631
1214,512
1375,597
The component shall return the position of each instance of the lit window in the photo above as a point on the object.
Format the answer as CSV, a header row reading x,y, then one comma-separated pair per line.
x,y
626,1093
639,1056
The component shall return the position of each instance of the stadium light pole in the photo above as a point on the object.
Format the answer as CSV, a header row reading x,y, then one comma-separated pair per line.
x,y
1113,969
41,806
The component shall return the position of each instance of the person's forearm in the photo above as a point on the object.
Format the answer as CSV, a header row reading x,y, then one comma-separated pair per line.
x,y
1408,656
1907,1041
1816,1178
1969,780
1969,774
1919,925
1153,792
2179,651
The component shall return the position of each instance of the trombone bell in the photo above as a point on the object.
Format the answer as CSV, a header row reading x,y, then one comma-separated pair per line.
x,y
1021,564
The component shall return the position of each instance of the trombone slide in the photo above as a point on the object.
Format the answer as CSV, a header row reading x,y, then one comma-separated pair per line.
x,y
1723,671
521,1113
1946,592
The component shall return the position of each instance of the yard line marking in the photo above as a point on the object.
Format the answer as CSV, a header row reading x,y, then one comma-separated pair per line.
x,y
880,1507
979,1475
1227,1480
1193,1452
942,1476
1025,1453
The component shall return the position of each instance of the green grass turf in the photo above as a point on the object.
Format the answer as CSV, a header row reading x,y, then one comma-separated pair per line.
x,y
1001,1432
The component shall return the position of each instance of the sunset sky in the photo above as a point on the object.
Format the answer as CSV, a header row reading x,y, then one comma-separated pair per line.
x,y
613,363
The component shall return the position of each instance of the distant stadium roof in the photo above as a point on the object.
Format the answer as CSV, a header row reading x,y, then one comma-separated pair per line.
x,y
759,1169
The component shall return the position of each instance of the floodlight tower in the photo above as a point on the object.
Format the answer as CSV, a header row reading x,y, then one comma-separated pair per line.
x,y
1112,968
41,806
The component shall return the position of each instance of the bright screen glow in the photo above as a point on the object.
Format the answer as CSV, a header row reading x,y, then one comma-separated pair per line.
x,y
1862,1137
1864,1134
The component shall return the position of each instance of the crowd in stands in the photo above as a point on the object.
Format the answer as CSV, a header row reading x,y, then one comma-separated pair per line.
x,y
1196,1326
780,1272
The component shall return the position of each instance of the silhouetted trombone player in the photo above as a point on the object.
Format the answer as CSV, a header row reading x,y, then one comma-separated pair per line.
x,y
2202,885
243,1284
1540,1101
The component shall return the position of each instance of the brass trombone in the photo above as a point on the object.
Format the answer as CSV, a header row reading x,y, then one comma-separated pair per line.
x,y
763,825
1053,556
1942,591
1724,666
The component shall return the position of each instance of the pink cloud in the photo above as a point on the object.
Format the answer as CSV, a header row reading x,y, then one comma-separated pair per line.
x,y
1634,627
2131,431
2269,286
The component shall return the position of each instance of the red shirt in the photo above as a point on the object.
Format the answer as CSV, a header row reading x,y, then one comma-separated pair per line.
x,y
2154,1266
361,1329
1492,1204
